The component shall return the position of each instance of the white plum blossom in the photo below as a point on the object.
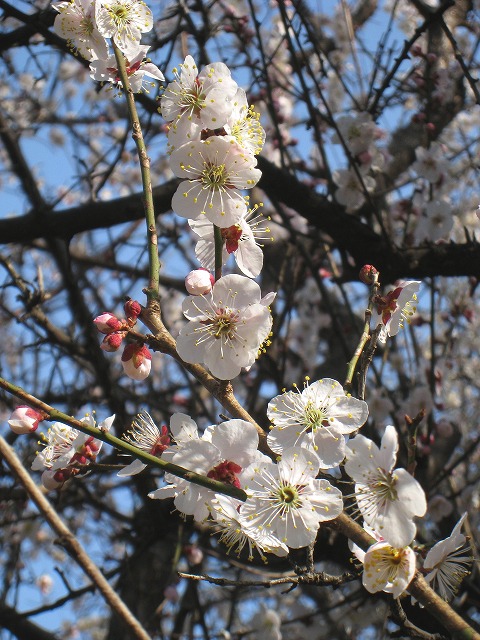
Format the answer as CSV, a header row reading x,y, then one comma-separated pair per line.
x,y
232,446
124,21
76,24
266,625
317,418
358,132
351,190
395,307
431,164
226,328
387,568
243,125
448,562
216,172
287,499
237,533
137,66
145,435
66,446
387,498
58,449
436,222
196,101
240,240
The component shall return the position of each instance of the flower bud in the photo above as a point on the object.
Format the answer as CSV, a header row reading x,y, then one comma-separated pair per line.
x,y
132,309
194,554
112,342
25,420
199,282
367,274
107,322
136,361
52,480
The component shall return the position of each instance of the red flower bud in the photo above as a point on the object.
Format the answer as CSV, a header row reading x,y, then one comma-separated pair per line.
x,y
132,309
368,274
113,341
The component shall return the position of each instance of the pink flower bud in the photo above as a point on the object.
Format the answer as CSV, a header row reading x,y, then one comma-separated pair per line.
x,y
199,282
132,309
367,274
107,323
136,361
25,420
113,341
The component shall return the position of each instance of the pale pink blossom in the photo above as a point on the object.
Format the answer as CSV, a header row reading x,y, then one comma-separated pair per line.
x,y
387,568
287,500
226,328
232,445
196,101
351,190
317,418
387,498
124,21
435,222
76,24
431,163
216,172
146,436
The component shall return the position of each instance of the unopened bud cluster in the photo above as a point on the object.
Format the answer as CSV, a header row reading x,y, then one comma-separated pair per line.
x,y
136,359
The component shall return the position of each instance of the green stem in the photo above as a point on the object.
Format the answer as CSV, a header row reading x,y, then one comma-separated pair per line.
x,y
152,290
218,252
104,436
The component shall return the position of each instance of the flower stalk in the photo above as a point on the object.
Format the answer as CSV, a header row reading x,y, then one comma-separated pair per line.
x,y
152,291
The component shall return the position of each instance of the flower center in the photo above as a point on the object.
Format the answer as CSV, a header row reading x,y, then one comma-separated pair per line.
x,y
289,497
224,324
314,417
193,100
384,485
86,26
214,176
119,13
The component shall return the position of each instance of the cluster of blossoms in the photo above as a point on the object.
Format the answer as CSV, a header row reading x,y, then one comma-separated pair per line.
x,y
87,24
214,137
66,452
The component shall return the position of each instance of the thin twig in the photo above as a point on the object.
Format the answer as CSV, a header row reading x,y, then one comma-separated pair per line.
x,y
70,543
